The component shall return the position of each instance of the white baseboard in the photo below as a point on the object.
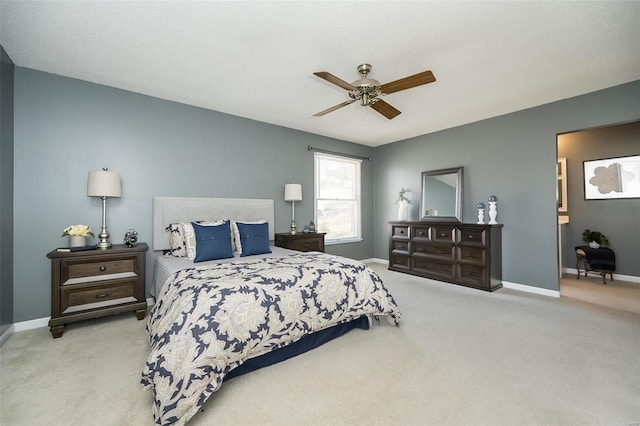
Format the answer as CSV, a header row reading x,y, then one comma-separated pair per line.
x,y
626,278
505,284
531,289
375,260
5,336
40,322
31,324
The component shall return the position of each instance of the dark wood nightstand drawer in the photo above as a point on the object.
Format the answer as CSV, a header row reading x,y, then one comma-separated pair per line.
x,y
301,242
79,271
95,283
307,244
80,298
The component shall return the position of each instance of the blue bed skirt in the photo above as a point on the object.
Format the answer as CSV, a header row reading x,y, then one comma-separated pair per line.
x,y
303,345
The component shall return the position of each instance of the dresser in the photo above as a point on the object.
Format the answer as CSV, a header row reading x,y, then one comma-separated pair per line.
x,y
95,283
312,241
459,253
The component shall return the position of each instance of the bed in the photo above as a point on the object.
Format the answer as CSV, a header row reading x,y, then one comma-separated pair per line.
x,y
216,318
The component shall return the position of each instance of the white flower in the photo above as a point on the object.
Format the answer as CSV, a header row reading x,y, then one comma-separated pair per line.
x,y
77,231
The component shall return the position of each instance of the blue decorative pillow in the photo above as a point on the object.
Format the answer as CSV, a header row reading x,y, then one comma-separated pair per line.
x,y
212,242
254,238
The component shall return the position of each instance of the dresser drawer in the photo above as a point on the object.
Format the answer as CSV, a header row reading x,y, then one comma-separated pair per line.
x,y
88,270
473,275
81,298
399,261
473,255
402,246
419,232
442,233
477,237
444,251
434,268
401,231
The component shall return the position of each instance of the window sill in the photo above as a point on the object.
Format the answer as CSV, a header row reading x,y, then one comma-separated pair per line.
x,y
342,241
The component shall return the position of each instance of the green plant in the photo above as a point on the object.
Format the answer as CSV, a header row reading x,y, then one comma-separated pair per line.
x,y
402,197
597,236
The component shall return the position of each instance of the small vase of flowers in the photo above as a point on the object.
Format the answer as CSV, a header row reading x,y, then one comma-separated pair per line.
x,y
77,235
403,204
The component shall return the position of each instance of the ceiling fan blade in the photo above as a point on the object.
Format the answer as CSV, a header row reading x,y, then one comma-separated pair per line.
x,y
385,109
335,80
408,82
333,108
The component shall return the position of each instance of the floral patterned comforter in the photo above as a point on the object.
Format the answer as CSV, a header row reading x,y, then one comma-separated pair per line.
x,y
210,319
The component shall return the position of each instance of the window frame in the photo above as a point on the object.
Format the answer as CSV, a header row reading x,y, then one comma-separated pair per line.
x,y
318,156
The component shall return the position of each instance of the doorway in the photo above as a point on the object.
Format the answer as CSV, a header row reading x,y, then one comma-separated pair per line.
x,y
617,218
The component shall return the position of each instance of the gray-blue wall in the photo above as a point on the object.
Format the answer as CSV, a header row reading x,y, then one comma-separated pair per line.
x,y
64,128
6,191
511,156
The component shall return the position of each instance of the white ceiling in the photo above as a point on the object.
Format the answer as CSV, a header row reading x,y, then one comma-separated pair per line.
x,y
256,59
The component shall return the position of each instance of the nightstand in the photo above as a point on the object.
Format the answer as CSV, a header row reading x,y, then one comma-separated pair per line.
x,y
95,283
312,241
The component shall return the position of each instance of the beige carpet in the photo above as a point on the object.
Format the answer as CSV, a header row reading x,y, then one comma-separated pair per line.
x,y
614,294
460,357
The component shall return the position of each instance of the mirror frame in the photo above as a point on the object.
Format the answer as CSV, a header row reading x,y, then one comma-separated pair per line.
x,y
459,194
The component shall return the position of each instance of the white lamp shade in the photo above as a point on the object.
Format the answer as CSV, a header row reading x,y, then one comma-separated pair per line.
x,y
292,192
104,184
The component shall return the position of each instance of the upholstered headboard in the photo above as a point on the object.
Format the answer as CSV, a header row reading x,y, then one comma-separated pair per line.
x,y
167,210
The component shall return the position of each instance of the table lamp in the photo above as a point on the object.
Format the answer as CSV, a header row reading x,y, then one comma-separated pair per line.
x,y
293,193
104,184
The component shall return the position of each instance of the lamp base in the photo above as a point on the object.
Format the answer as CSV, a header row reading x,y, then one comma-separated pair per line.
x,y
293,228
104,240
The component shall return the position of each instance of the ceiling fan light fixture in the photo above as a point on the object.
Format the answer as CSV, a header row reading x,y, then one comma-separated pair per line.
x,y
368,91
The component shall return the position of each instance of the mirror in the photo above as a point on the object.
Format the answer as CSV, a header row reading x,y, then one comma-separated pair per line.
x,y
442,195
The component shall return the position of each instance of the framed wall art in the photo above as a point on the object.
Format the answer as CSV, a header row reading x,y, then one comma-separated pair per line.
x,y
612,178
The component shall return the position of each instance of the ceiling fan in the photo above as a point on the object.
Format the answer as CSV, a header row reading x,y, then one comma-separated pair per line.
x,y
368,91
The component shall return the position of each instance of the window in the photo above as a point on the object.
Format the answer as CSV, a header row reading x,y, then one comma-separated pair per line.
x,y
337,198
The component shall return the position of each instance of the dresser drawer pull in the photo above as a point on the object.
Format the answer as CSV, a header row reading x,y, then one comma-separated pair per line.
x,y
443,234
103,268
420,249
421,233
401,231
471,237
103,295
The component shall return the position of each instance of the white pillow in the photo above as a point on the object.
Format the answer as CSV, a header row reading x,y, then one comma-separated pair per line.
x,y
235,233
190,235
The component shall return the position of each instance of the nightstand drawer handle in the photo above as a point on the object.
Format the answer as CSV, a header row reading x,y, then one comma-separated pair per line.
x,y
103,295
103,268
